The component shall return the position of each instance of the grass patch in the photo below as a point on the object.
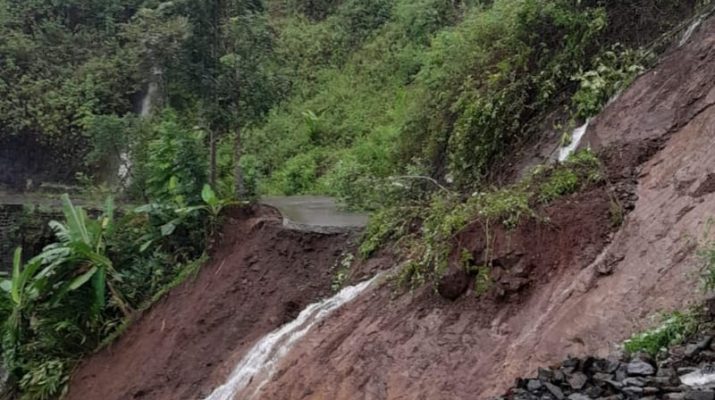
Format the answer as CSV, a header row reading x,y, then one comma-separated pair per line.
x,y
673,329
424,232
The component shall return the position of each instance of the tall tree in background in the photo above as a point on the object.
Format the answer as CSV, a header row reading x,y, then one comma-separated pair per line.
x,y
232,64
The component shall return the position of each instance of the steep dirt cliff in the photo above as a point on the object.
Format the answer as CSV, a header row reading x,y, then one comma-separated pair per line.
x,y
260,277
657,139
575,284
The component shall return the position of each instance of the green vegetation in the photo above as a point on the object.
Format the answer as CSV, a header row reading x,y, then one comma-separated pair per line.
x,y
706,252
318,97
674,328
426,229
80,291
677,326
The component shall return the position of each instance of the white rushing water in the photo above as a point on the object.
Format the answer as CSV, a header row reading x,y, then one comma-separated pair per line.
x,y
152,92
689,32
145,109
576,137
259,364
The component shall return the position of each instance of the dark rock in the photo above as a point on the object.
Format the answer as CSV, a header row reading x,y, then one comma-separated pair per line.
x,y
577,380
611,366
633,390
554,390
692,350
593,392
615,384
674,396
705,342
667,372
600,376
694,395
650,390
663,380
577,396
559,376
453,283
633,382
621,372
641,368
686,370
710,306
545,374
533,385
571,363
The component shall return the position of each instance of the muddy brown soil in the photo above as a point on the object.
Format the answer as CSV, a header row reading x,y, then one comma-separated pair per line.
x,y
260,277
568,288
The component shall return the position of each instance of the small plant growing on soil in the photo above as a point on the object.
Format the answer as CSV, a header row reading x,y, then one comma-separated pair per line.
x,y
706,253
673,329
342,271
427,232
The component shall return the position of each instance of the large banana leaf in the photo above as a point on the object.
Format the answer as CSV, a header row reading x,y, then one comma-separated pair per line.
x,y
20,278
76,221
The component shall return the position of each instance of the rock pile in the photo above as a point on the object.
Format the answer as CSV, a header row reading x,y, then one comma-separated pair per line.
x,y
685,373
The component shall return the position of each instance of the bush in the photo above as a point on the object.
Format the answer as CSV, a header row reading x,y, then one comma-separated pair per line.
x,y
673,329
174,167
426,229
297,176
614,70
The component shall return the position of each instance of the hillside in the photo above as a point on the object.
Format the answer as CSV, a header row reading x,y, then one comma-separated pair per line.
x,y
537,176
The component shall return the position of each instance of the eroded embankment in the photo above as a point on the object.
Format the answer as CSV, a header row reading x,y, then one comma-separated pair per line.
x,y
260,277
576,289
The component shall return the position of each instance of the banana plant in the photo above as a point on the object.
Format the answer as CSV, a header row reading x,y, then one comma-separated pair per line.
x,y
80,256
212,206
21,292
19,286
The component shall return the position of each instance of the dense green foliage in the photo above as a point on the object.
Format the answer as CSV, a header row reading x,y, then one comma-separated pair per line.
x,y
706,252
329,96
81,290
437,88
425,231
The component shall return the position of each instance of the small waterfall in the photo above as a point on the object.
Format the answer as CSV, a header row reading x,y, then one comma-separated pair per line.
x,y
576,137
125,169
151,94
259,364
689,32
146,107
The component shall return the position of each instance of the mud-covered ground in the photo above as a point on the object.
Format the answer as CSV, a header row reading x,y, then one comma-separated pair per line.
x,y
261,276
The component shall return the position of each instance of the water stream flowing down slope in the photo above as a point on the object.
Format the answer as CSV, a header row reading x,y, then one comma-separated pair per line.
x,y
258,365
576,137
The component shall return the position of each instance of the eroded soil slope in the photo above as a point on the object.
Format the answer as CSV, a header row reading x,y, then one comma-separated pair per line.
x,y
260,277
568,287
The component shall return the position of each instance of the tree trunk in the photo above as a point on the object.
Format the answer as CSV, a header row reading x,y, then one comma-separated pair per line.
x,y
238,173
212,158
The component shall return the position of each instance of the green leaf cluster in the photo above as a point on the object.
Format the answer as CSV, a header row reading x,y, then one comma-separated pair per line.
x,y
425,232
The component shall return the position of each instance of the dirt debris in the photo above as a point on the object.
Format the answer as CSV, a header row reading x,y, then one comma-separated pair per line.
x,y
260,277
